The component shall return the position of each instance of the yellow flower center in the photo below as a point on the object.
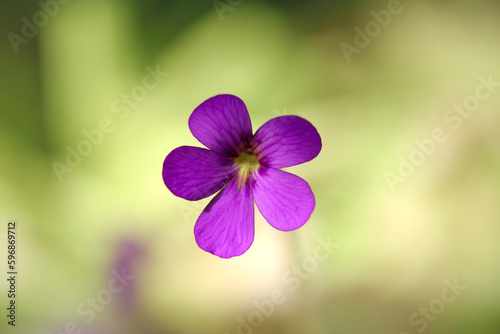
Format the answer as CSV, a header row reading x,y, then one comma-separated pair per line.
x,y
246,162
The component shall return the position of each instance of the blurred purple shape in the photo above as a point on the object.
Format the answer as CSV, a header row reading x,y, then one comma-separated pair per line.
x,y
129,254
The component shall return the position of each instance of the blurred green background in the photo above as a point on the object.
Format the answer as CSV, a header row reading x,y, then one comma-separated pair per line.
x,y
397,245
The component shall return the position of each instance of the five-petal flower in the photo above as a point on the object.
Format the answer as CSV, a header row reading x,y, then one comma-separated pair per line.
x,y
244,167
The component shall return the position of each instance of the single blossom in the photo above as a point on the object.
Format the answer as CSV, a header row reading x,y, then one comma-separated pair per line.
x,y
244,167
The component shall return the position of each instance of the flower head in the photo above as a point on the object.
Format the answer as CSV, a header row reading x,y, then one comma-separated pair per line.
x,y
244,167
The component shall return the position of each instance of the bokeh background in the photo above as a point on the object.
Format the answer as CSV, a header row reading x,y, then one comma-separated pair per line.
x,y
396,247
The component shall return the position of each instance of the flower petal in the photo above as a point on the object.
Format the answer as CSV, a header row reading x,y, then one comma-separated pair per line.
x,y
286,141
222,124
285,200
226,226
194,173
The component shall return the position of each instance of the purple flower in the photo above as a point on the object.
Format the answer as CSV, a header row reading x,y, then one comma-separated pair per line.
x,y
246,167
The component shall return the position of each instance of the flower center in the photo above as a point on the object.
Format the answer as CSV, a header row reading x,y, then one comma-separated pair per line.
x,y
246,162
